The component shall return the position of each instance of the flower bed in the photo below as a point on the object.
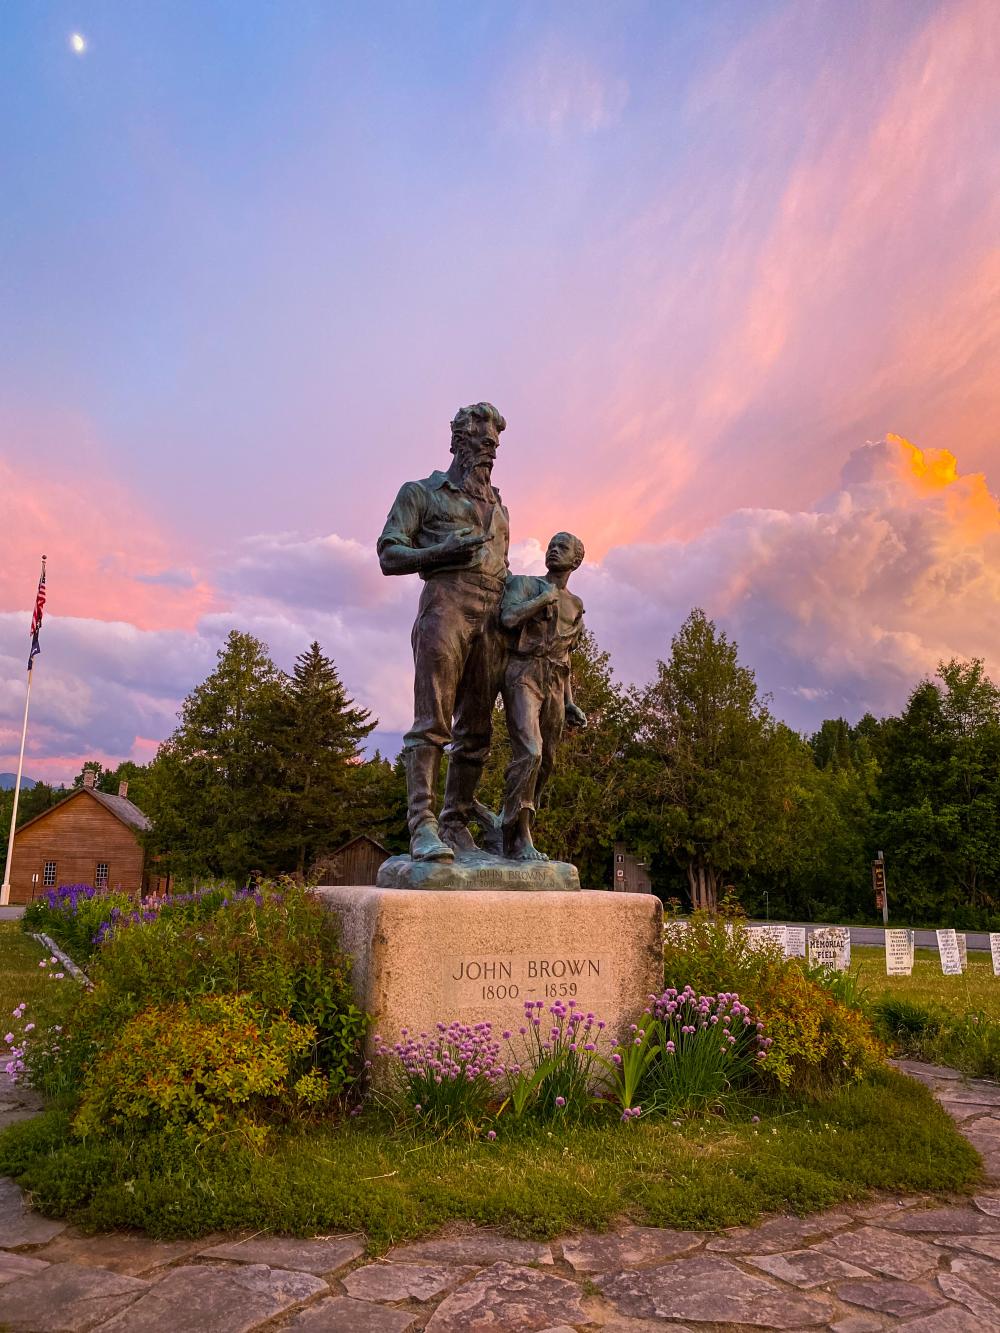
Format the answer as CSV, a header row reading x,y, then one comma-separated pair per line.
x,y
694,1054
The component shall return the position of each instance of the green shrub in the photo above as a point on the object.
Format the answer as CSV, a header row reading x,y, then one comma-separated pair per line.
x,y
817,1040
907,1021
281,948
209,1064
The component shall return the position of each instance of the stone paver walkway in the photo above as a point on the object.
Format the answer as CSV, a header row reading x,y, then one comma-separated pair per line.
x,y
911,1263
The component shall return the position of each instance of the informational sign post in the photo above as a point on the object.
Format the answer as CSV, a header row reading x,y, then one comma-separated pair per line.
x,y
795,941
899,953
830,946
995,951
951,957
963,951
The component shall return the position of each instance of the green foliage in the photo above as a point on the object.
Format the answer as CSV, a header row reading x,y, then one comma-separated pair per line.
x,y
264,772
707,742
110,779
318,734
905,1021
969,1040
283,951
939,794
207,1064
708,1049
212,786
818,1041
886,1133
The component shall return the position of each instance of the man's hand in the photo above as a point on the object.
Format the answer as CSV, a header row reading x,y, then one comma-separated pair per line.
x,y
575,717
459,545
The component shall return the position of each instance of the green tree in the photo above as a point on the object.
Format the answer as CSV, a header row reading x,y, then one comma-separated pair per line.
x,y
214,791
327,790
707,740
939,795
816,865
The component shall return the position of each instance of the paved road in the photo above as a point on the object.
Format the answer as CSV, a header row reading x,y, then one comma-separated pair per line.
x,y
926,939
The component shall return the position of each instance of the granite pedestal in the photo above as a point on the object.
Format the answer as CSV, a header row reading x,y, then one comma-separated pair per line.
x,y
426,956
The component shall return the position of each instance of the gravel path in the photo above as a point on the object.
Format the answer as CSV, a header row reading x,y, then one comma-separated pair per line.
x,y
898,1262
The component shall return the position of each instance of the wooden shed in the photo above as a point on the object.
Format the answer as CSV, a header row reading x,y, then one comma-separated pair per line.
x,y
357,862
630,874
89,838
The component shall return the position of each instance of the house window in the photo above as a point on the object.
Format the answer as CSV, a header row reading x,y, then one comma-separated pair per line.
x,y
101,875
49,875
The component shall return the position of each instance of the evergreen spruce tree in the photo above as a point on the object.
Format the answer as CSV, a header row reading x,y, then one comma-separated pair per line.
x,y
214,787
706,737
327,790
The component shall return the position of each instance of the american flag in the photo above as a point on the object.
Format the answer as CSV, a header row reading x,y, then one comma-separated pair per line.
x,y
36,619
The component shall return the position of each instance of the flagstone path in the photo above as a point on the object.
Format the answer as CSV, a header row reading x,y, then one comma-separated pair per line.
x,y
911,1263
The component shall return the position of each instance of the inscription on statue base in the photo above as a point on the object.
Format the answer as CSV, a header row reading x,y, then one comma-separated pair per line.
x,y
423,957
527,977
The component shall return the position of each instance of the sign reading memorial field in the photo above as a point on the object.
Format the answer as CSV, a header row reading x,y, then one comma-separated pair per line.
x,y
830,946
995,951
899,952
951,956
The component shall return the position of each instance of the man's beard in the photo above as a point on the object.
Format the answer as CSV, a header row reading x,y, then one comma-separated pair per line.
x,y
476,473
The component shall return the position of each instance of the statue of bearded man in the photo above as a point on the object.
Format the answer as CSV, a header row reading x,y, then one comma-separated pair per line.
x,y
452,529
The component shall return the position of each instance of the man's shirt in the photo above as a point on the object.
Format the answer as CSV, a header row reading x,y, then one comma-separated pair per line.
x,y
426,512
553,632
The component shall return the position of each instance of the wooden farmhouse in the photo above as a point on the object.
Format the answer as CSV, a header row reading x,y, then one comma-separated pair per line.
x,y
89,838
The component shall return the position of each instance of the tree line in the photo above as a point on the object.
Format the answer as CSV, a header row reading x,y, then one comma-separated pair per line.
x,y
266,772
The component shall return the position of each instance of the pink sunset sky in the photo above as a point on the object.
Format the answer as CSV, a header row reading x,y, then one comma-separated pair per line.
x,y
731,271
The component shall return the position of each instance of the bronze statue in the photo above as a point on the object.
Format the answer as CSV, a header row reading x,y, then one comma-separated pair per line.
x,y
452,529
546,621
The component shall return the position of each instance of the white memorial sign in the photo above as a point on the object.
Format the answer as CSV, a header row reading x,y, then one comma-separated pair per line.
x,y
762,937
963,949
951,958
830,946
899,953
795,941
995,951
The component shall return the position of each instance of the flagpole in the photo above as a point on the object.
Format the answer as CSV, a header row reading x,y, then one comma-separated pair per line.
x,y
5,887
36,624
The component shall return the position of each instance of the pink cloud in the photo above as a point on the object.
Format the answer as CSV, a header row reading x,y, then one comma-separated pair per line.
x,y
840,606
110,556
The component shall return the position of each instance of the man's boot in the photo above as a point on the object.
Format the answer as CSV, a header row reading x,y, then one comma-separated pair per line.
x,y
459,802
423,762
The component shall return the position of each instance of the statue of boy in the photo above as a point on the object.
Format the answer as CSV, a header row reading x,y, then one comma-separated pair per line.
x,y
547,620
452,529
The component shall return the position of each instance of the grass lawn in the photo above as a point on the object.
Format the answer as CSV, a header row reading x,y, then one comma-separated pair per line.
x,y
977,990
20,976
366,1175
